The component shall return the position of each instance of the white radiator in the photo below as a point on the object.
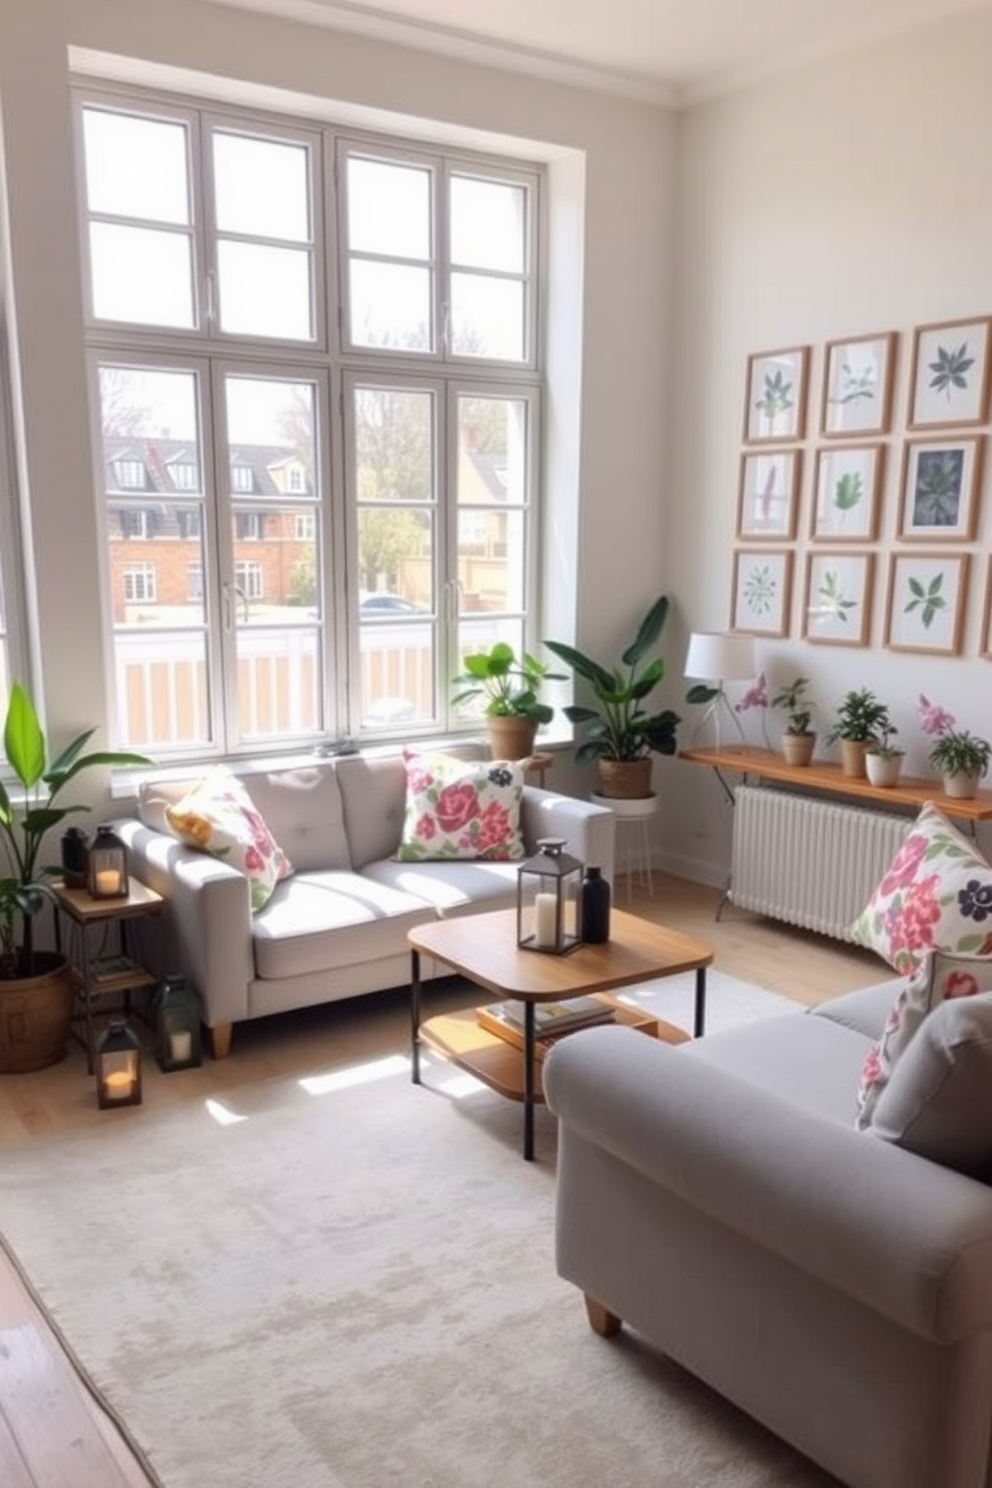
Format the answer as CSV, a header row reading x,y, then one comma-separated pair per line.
x,y
810,862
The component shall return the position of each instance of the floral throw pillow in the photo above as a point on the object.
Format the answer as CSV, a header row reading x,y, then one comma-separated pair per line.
x,y
935,895
218,816
460,808
940,977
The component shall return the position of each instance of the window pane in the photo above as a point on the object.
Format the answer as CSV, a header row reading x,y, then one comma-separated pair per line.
x,y
391,306
261,187
487,224
393,445
395,559
136,167
161,689
278,683
148,422
265,291
142,275
271,436
389,209
275,570
490,560
487,317
492,450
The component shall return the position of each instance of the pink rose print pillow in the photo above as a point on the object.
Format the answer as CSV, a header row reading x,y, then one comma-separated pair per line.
x,y
936,895
460,809
218,816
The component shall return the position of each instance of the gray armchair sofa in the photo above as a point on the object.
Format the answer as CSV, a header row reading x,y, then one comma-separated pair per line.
x,y
717,1197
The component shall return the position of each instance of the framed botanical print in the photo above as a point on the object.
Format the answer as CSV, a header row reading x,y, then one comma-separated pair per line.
x,y
775,399
837,597
949,382
941,479
986,643
925,604
767,494
857,386
762,591
845,493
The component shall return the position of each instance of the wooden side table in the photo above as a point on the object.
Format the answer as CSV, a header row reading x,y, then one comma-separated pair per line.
x,y
96,977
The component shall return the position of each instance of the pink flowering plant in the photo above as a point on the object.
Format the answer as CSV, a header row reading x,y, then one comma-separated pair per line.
x,y
955,751
755,699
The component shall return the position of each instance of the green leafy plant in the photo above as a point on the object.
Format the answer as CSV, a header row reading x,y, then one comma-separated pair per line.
x,y
883,745
799,710
959,752
24,890
510,687
621,728
860,718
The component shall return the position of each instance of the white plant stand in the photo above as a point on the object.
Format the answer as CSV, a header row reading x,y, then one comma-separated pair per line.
x,y
633,823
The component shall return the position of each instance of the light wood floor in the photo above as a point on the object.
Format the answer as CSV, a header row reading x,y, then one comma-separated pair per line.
x,y
52,1433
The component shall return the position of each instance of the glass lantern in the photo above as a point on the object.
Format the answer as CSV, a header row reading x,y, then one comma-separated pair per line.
x,y
118,1066
177,1025
548,887
106,872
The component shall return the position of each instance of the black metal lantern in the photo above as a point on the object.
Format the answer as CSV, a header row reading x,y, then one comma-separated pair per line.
x,y
548,887
75,855
118,1066
106,872
177,1025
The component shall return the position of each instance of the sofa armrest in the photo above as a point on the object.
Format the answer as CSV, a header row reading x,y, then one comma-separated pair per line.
x,y
903,1236
208,918
589,831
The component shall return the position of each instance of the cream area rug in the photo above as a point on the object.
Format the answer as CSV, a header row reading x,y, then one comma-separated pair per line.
x,y
344,1281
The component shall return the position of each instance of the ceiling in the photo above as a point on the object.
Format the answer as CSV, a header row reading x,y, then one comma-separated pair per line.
x,y
665,51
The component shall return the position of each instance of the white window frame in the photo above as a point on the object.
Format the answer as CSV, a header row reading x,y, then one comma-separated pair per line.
x,y
140,576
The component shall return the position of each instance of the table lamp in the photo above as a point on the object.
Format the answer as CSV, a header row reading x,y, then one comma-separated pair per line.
x,y
718,658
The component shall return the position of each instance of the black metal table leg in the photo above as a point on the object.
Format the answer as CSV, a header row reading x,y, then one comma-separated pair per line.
x,y
699,1025
528,1081
415,1017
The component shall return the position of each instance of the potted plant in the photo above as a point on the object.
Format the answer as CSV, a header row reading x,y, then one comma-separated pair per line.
x,y
962,758
883,759
798,740
510,688
860,720
36,988
621,734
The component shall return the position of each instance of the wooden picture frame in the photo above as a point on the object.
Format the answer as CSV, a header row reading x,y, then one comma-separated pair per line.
x,y
775,395
762,591
985,646
949,380
768,494
846,492
837,597
941,480
925,604
857,385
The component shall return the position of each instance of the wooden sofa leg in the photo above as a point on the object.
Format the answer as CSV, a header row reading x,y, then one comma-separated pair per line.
x,y
601,1320
219,1040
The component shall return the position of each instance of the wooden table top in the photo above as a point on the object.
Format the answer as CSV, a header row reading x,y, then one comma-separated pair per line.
x,y
483,947
82,907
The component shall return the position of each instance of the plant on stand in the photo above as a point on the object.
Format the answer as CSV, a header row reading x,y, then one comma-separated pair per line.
x,y
962,758
798,740
883,759
510,688
860,721
621,734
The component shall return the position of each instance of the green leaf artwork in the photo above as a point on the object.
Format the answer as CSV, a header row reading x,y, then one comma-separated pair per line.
x,y
856,385
759,590
848,491
950,368
834,604
928,600
777,396
937,494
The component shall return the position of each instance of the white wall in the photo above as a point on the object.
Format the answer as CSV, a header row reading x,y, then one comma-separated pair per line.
x,y
851,198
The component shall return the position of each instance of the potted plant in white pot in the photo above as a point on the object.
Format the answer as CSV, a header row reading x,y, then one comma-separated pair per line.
x,y
510,687
860,720
960,757
36,987
883,759
798,740
621,734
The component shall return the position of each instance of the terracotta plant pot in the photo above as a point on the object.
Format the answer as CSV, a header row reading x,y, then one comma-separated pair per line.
x,y
962,785
852,758
36,1016
511,737
624,780
883,769
797,749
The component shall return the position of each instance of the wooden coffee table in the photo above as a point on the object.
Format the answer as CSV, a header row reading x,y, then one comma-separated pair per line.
x,y
483,948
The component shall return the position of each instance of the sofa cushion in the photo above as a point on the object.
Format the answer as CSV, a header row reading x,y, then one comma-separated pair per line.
x,y
936,893
938,1102
939,977
303,811
459,808
864,1010
451,888
317,920
218,816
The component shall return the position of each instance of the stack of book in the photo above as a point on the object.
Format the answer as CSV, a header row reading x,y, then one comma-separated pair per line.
x,y
551,1019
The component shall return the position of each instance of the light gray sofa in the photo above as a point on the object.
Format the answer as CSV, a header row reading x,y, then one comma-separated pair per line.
x,y
717,1197
337,927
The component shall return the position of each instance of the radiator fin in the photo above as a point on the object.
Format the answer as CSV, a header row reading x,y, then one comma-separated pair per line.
x,y
809,862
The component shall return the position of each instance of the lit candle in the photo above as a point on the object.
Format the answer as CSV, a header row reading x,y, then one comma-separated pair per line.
x,y
117,1085
107,881
180,1046
544,930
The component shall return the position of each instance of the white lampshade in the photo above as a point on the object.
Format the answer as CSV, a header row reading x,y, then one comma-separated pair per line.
x,y
720,658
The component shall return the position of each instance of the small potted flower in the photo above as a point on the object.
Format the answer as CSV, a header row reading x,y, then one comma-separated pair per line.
x,y
860,720
960,757
883,759
798,741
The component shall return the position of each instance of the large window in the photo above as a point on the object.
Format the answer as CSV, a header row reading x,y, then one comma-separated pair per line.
x,y
315,358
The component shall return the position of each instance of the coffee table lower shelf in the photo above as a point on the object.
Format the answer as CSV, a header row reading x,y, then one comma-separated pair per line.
x,y
498,1063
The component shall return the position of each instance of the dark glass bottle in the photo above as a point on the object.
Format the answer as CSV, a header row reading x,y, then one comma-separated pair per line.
x,y
595,907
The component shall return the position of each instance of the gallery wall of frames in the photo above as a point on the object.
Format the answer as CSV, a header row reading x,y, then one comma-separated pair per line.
x,y
837,499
